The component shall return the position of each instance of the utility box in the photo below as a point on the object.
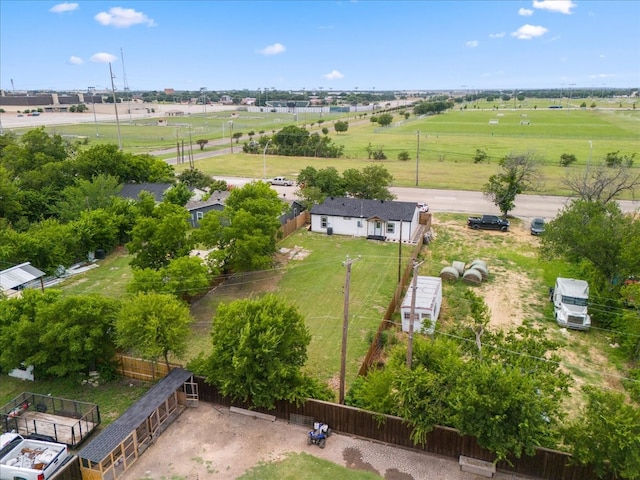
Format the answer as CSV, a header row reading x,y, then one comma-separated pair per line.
x,y
427,305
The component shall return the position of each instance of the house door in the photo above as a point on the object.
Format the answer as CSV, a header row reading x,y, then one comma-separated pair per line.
x,y
378,229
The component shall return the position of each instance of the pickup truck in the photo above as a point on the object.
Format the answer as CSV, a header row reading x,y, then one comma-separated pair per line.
x,y
282,181
29,459
488,222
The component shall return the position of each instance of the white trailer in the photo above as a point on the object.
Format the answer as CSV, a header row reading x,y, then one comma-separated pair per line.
x,y
570,302
27,459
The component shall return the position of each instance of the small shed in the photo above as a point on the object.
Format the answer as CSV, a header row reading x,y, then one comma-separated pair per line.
x,y
19,276
427,305
119,445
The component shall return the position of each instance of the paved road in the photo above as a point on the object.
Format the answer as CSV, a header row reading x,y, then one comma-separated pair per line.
x,y
460,201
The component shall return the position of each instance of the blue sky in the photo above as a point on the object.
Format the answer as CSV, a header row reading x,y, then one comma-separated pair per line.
x,y
333,45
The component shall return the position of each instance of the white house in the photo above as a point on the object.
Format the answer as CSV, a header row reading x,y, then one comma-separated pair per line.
x,y
374,219
427,305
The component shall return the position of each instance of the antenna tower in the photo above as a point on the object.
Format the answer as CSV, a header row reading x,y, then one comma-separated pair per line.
x,y
126,85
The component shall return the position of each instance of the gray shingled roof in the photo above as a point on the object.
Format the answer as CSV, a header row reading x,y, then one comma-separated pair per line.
x,y
116,432
355,207
132,190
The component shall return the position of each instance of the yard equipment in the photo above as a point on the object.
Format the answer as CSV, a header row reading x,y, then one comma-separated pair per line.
x,y
319,434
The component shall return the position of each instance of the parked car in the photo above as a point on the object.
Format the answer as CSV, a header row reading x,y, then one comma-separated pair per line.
x,y
282,181
423,207
488,222
537,226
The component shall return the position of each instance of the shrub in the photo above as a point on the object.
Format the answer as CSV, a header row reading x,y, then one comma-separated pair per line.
x,y
404,156
567,159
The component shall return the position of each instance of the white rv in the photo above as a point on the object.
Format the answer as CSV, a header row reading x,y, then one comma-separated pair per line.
x,y
570,298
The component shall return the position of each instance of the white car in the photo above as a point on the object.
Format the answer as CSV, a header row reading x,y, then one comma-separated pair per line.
x,y
282,181
423,207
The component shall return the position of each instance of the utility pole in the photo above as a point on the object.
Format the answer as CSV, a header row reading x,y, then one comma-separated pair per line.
x,y
412,314
417,157
345,327
115,104
231,134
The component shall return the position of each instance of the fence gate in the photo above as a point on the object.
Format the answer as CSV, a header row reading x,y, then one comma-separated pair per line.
x,y
191,393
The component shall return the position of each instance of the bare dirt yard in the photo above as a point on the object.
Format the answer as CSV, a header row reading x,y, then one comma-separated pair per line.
x,y
210,442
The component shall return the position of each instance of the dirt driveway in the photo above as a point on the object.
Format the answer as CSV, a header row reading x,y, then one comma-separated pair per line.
x,y
210,442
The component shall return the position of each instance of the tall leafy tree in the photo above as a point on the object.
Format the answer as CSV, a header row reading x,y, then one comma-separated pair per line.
x,y
183,277
244,234
372,182
259,348
153,325
77,334
158,239
518,172
607,434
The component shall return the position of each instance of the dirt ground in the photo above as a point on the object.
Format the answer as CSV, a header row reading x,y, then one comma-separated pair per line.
x,y
210,442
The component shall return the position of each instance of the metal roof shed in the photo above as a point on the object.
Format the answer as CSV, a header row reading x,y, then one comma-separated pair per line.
x,y
19,275
427,306
111,454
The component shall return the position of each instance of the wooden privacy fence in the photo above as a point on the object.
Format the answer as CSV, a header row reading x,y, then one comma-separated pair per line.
x,y
448,442
294,224
141,369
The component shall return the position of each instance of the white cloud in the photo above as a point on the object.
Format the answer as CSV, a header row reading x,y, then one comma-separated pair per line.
x,y
274,49
562,6
472,43
602,75
75,60
497,35
123,17
63,7
525,12
333,75
103,57
527,32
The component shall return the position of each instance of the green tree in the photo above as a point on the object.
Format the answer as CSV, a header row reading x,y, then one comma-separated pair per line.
x,y
259,349
20,329
243,235
606,434
193,177
404,156
179,194
97,192
372,182
153,325
385,119
517,173
341,126
202,142
567,159
481,156
77,334
161,237
184,277
598,234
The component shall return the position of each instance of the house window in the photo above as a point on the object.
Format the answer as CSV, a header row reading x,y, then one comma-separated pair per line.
x,y
199,215
391,227
323,222
359,223
407,315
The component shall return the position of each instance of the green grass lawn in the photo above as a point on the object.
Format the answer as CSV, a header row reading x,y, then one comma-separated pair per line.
x,y
110,278
302,466
315,284
448,144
